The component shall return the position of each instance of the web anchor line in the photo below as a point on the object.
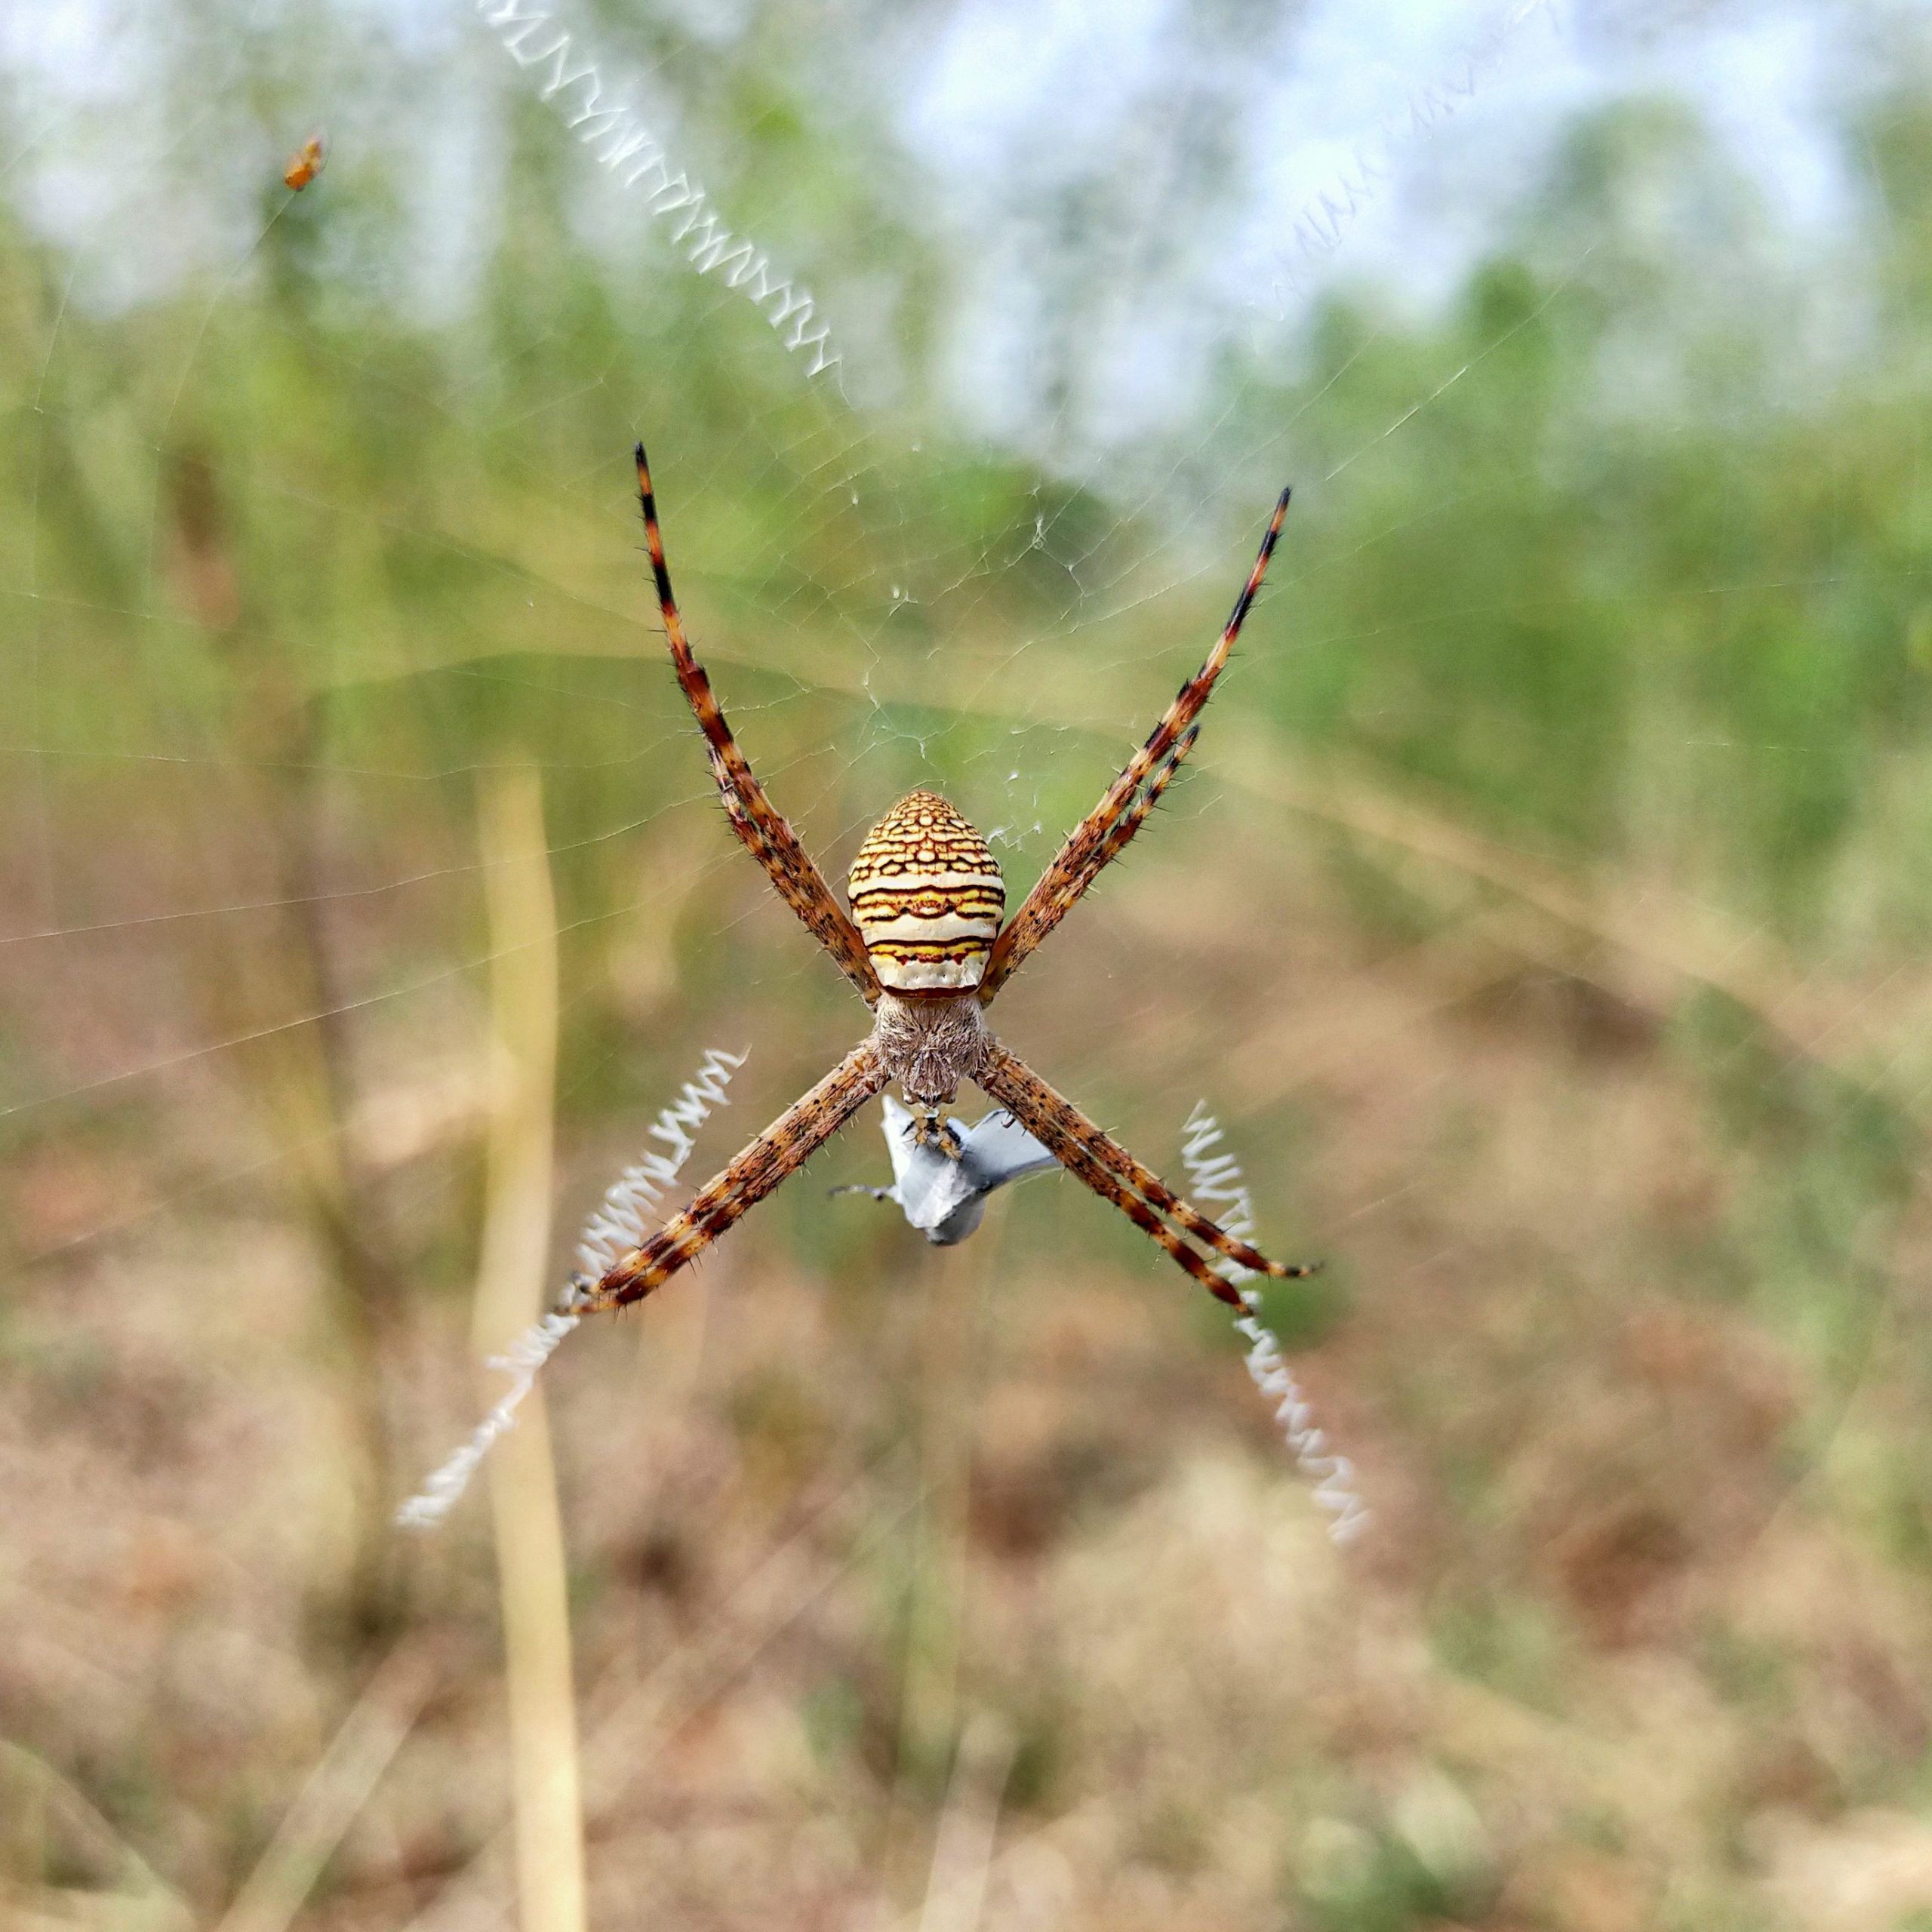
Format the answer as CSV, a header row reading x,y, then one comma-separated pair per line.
x,y
622,143
1216,1179
623,1220
1324,221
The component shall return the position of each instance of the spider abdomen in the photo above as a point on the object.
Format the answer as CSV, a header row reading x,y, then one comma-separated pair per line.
x,y
927,897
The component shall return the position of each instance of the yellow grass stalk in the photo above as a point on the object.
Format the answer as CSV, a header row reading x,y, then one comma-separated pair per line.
x,y
39,1808
968,1828
335,1793
929,1698
545,1792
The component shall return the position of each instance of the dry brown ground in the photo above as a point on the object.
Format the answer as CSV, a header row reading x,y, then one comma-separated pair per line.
x,y
938,1590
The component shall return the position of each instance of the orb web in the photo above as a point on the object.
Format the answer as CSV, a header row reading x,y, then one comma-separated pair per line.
x,y
1539,913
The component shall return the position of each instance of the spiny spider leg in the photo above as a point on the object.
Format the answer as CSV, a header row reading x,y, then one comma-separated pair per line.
x,y
1017,1076
1111,1171
1083,1168
763,830
1135,816
1155,1191
779,1151
1093,842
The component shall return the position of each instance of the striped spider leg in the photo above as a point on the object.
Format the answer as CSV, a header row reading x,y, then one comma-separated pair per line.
x,y
1101,836
759,824
1093,1156
777,1153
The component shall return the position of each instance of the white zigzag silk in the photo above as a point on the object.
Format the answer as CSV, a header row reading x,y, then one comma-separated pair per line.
x,y
623,1221
620,141
1216,1179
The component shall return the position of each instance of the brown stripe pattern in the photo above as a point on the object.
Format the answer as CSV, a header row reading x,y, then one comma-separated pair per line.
x,y
927,897
927,903
779,1151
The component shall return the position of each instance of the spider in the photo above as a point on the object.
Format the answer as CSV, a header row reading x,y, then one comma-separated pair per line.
x,y
924,945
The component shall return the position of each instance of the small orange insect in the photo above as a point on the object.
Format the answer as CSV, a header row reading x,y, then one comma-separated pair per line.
x,y
306,165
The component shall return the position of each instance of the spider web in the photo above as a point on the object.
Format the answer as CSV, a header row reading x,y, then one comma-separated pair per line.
x,y
1539,914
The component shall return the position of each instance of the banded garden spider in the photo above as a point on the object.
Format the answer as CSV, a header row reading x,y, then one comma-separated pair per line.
x,y
924,946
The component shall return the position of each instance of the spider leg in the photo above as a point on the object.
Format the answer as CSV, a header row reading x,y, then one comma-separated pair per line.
x,y
1145,1183
1083,1168
1135,816
1099,837
759,824
1096,1158
779,1151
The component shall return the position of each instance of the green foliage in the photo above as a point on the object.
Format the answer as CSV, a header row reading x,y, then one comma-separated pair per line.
x,y
1664,617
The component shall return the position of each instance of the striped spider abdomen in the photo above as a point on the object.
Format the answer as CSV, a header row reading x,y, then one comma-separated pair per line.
x,y
927,897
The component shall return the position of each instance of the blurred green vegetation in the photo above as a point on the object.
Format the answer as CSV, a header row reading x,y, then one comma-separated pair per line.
x,y
1611,574
1668,613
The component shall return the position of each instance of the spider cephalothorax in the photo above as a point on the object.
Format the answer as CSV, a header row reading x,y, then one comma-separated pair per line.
x,y
924,946
929,1042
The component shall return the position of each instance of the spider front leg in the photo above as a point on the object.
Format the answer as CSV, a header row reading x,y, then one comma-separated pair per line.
x,y
779,1152
761,827
1102,834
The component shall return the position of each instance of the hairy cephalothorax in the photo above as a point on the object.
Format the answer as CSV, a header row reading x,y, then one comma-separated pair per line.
x,y
929,1044
924,945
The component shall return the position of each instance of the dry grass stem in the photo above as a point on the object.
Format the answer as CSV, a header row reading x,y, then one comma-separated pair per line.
x,y
511,1282
963,1846
634,1723
337,1790
36,1798
1652,924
